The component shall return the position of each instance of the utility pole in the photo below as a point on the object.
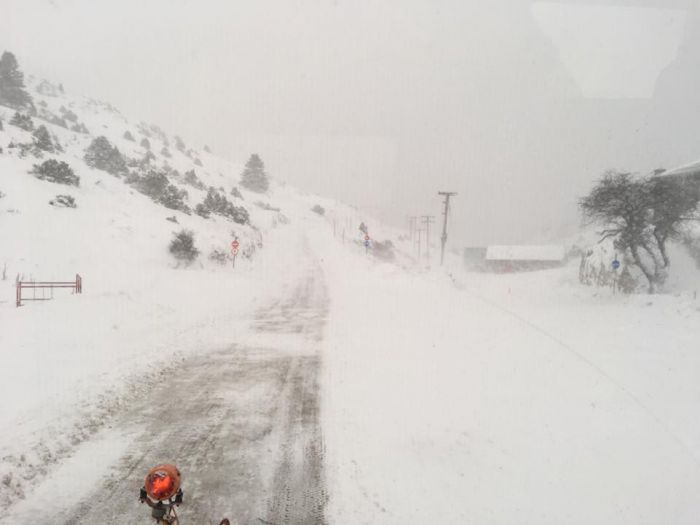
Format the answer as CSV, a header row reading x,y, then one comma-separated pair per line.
x,y
447,195
412,226
427,220
418,231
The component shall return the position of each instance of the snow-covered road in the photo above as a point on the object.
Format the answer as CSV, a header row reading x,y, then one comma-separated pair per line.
x,y
242,424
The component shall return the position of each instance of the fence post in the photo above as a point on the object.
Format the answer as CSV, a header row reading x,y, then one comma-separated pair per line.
x,y
19,293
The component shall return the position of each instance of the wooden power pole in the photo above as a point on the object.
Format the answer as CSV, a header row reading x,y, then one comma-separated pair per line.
x,y
427,220
447,195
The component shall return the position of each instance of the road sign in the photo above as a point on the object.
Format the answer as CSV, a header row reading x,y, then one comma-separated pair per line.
x,y
235,244
615,264
366,238
366,243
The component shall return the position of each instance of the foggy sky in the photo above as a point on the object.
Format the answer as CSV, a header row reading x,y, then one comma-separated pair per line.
x,y
516,105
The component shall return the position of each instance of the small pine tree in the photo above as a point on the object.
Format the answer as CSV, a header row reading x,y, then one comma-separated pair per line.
x,y
182,247
198,162
254,177
145,143
128,136
42,139
56,171
206,148
12,92
102,155
179,144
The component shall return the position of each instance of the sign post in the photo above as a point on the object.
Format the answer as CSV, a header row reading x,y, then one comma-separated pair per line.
x,y
366,243
234,250
615,266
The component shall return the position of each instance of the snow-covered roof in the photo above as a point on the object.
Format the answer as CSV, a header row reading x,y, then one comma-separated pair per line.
x,y
525,253
687,169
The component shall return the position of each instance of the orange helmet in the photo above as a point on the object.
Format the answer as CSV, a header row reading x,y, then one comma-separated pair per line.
x,y
162,482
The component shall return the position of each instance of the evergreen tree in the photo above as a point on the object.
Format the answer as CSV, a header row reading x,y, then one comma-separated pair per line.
x,y
103,156
145,143
254,177
12,92
42,139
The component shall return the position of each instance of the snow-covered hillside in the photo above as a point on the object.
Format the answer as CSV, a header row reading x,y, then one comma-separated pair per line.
x,y
69,363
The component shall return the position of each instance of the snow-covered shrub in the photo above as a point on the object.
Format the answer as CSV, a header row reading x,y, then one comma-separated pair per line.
x,y
236,193
198,162
182,246
216,202
164,151
383,250
192,179
179,144
56,171
22,121
172,219
102,155
206,148
145,143
80,128
219,256
68,115
157,186
1,128
63,201
129,136
202,211
318,209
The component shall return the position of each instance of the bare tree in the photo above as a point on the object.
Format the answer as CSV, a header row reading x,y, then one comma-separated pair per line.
x,y
641,215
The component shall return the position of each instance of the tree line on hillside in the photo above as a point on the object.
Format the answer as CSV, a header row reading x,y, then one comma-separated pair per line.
x,y
142,174
641,215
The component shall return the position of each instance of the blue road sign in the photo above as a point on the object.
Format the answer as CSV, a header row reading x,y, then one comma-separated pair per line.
x,y
367,243
615,264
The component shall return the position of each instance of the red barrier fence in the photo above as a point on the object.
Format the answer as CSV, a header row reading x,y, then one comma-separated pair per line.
x,y
76,285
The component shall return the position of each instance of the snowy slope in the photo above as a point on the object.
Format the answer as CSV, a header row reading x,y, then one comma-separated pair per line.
x,y
71,362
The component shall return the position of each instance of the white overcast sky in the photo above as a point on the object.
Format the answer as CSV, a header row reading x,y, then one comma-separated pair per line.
x,y
516,105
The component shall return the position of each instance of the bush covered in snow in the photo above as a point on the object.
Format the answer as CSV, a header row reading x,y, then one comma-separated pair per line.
x,y
68,114
128,136
63,201
22,121
102,155
157,186
182,246
145,143
192,179
164,151
219,256
56,171
216,202
318,209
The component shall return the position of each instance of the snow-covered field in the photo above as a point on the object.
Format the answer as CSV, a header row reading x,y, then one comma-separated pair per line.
x,y
446,396
507,399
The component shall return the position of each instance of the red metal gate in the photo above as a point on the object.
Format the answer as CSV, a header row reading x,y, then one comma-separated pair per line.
x,y
44,286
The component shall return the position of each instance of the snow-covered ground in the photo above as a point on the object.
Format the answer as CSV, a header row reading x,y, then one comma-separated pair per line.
x,y
507,399
446,396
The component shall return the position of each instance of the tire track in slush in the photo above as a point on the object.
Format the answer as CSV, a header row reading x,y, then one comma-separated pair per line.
x,y
242,424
